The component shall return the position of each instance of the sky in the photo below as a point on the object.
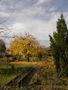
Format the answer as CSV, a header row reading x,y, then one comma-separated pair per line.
x,y
37,17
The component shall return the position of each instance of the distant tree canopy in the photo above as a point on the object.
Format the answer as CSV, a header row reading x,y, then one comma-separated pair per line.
x,y
26,46
59,46
2,48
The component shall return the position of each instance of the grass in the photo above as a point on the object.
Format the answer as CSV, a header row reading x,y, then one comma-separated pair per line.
x,y
46,73
9,71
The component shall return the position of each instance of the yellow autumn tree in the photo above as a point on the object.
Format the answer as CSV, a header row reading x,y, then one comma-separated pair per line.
x,y
25,46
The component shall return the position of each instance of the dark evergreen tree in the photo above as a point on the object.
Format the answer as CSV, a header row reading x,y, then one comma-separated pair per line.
x,y
59,46
2,48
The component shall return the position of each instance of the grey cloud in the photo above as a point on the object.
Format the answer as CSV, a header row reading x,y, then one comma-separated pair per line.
x,y
35,16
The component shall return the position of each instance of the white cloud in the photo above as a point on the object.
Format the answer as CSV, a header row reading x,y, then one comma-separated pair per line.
x,y
17,28
39,28
42,1
4,14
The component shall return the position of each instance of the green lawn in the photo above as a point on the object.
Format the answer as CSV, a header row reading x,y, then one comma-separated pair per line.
x,y
8,72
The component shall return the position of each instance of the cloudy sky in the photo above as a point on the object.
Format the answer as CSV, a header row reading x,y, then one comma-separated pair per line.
x,y
37,17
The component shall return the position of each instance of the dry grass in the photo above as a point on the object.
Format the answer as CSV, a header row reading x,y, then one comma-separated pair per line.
x,y
45,63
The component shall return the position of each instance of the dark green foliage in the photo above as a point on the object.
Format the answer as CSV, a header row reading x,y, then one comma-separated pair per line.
x,y
2,48
59,46
40,55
